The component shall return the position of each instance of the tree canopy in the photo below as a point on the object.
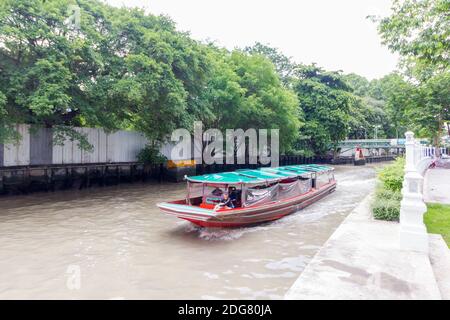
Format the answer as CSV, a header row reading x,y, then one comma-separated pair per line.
x,y
420,32
326,102
123,68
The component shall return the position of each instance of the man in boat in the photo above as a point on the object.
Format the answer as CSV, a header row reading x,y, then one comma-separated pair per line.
x,y
217,192
234,196
225,201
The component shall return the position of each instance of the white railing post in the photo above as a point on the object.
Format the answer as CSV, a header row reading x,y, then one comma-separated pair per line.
x,y
413,234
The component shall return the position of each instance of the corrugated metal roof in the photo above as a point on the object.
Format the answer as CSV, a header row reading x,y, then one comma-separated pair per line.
x,y
258,175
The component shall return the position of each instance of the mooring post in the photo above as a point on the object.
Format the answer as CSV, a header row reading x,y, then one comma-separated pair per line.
x,y
52,181
413,233
88,180
104,175
161,172
47,179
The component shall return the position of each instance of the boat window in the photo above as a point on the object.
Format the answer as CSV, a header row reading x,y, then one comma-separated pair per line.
x,y
305,185
295,188
195,189
213,194
260,194
288,189
322,179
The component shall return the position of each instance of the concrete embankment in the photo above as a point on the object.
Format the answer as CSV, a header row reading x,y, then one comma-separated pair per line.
x,y
363,260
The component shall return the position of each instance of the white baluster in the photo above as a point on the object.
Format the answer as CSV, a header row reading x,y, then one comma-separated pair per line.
x,y
413,234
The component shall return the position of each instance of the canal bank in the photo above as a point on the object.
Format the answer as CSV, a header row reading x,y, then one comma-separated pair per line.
x,y
33,178
124,248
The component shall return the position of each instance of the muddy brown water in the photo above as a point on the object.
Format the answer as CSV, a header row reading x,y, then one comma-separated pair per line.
x,y
113,243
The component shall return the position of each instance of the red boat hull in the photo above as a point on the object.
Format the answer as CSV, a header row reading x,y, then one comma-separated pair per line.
x,y
240,217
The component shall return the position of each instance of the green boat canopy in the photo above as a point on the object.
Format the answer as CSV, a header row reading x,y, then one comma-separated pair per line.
x,y
261,175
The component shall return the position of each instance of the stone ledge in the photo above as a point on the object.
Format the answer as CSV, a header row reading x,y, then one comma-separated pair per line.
x,y
440,261
363,260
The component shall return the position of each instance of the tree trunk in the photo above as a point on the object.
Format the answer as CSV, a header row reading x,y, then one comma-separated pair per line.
x,y
437,151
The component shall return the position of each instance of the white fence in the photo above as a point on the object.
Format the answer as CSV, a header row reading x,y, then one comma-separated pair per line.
x,y
424,155
413,233
119,146
18,154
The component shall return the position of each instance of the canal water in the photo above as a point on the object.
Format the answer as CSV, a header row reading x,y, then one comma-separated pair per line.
x,y
113,243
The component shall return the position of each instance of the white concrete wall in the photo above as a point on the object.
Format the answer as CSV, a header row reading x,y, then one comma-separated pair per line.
x,y
18,154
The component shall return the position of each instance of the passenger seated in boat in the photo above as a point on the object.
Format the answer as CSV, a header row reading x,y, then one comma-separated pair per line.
x,y
234,196
225,201
217,192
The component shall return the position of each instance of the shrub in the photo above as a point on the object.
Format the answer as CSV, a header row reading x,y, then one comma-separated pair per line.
x,y
151,155
392,175
386,209
386,205
383,193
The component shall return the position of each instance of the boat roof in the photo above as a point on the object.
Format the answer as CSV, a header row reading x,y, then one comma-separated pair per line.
x,y
261,175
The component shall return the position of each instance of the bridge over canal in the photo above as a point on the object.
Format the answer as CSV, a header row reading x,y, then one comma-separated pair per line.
x,y
371,146
372,143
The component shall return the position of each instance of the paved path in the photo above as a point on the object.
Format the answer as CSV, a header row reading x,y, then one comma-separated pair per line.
x,y
362,260
437,186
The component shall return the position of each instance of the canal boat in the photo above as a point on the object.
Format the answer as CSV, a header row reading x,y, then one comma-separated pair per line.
x,y
247,197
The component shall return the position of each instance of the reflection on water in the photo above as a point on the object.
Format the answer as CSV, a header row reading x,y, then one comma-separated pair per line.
x,y
113,243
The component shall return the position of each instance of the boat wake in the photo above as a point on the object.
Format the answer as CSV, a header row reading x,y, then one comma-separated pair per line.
x,y
221,234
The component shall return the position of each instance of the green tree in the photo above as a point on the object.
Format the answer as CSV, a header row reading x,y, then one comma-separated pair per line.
x,y
284,65
246,92
419,31
7,132
397,95
327,102
359,84
432,107
368,117
120,69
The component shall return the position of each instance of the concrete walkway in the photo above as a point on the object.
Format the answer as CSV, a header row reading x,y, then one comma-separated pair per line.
x,y
362,260
436,186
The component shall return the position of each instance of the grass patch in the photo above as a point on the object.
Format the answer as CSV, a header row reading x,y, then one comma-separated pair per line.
x,y
437,220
